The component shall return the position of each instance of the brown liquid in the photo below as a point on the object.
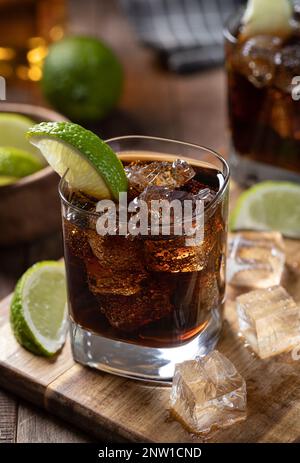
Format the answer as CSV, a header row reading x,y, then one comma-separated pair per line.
x,y
264,119
152,292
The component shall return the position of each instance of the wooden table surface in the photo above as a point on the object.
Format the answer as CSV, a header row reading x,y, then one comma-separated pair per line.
x,y
154,102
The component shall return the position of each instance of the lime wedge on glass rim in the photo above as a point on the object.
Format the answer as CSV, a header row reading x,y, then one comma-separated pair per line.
x,y
267,17
38,311
270,205
89,163
13,128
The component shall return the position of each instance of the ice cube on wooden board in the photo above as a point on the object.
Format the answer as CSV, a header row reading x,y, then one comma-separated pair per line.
x,y
255,259
269,320
208,392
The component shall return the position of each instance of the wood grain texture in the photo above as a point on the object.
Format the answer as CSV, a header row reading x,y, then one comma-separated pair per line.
x,y
8,418
35,426
22,377
31,374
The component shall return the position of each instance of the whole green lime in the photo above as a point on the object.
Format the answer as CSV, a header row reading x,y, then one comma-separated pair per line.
x,y
82,78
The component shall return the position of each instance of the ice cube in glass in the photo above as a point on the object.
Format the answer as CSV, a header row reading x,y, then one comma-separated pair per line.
x,y
159,173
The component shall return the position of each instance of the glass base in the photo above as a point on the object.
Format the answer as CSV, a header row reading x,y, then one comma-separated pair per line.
x,y
139,362
246,172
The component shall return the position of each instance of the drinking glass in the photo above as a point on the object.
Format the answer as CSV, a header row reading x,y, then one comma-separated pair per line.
x,y
140,304
263,103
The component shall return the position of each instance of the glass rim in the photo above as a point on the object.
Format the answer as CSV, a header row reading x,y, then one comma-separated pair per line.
x,y
226,29
219,194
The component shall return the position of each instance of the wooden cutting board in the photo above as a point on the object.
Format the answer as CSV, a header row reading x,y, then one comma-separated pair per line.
x,y
119,409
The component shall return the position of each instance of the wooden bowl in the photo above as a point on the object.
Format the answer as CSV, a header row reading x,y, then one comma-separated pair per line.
x,y
30,208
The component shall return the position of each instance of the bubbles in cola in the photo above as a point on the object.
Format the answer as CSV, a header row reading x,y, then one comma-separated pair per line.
x,y
256,59
288,66
117,267
75,238
130,312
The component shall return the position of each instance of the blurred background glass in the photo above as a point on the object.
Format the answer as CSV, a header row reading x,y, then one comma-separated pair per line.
x,y
264,118
26,29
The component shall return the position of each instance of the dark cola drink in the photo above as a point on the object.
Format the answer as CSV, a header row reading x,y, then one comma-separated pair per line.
x,y
146,294
264,109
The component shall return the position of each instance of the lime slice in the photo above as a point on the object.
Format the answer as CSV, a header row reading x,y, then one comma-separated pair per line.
x,y
38,311
269,206
89,163
6,180
17,163
267,17
13,128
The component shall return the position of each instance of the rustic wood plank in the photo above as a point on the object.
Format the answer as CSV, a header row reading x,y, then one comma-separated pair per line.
x,y
4,310
8,418
131,410
37,426
28,373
